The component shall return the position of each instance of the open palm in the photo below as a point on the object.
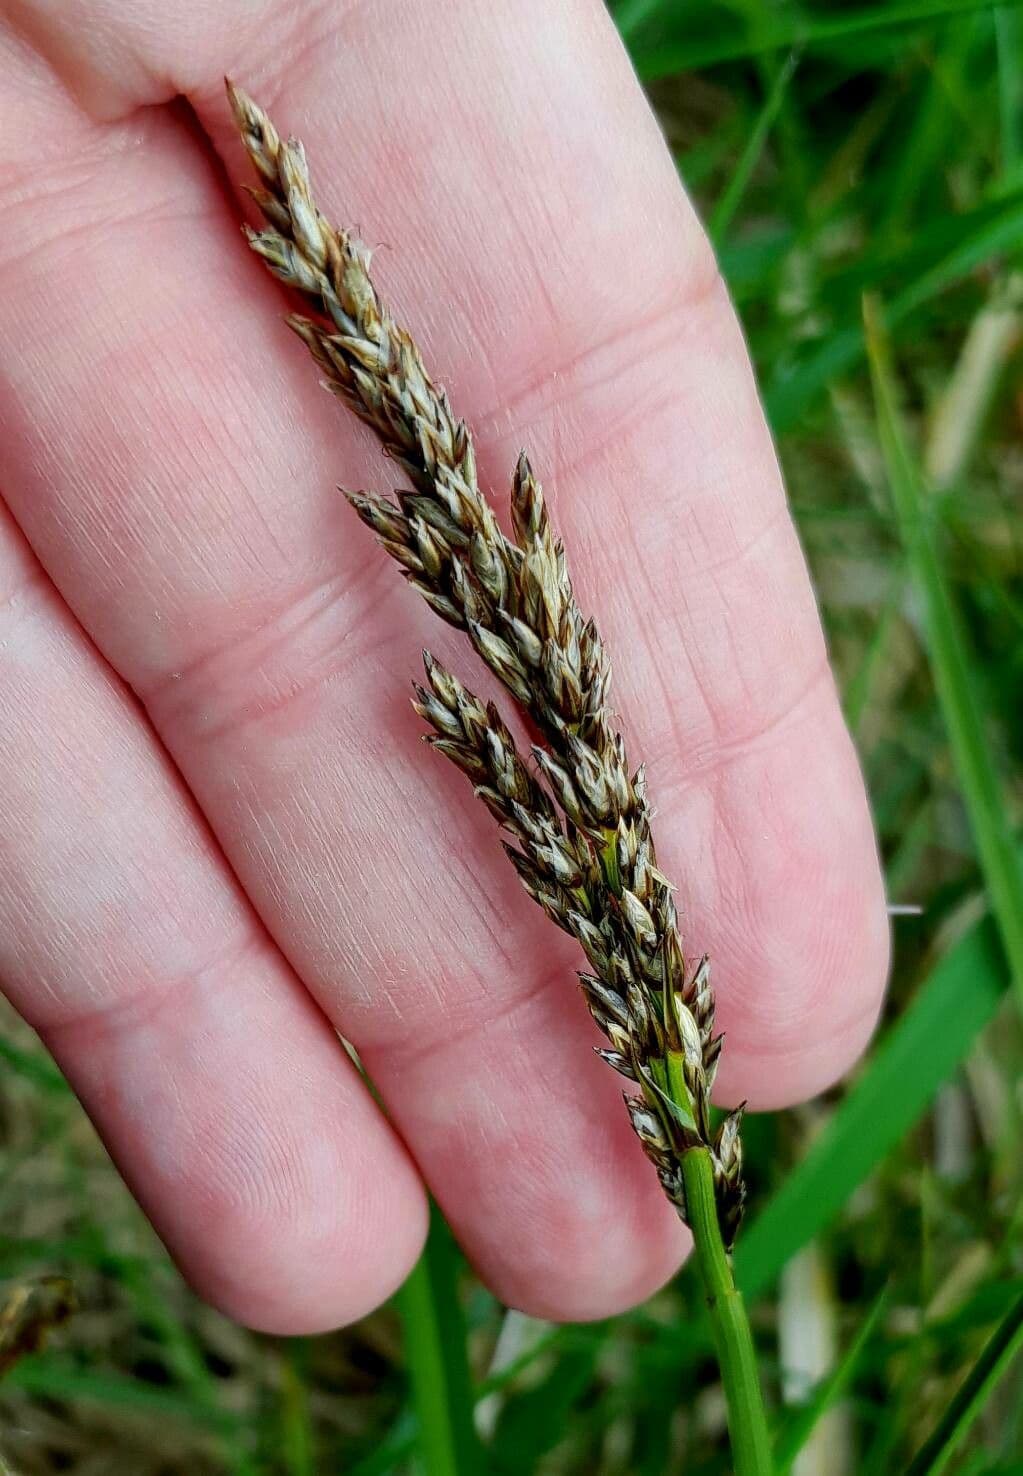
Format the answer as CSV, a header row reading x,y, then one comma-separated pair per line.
x,y
220,841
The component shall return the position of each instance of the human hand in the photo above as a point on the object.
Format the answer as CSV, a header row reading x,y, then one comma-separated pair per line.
x,y
220,838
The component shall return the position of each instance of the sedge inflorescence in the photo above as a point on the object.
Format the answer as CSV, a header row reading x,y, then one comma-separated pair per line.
x,y
578,819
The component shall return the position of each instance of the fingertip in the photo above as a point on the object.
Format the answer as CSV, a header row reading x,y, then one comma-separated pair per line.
x,y
244,1131
771,1079
580,1235
595,1274
309,1221
317,1269
811,974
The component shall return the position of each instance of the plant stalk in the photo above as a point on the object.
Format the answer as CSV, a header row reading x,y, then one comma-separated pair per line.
x,y
435,1352
747,1421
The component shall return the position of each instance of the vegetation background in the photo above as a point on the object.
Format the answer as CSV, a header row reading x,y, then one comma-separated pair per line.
x,y
842,156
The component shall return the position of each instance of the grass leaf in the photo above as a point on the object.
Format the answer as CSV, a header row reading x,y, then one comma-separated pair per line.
x,y
994,1362
724,211
533,1421
435,1350
965,243
35,1067
296,1430
786,27
1009,35
803,1421
53,1377
951,660
919,1052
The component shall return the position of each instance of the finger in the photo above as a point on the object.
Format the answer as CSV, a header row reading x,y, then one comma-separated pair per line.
x,y
172,524
714,670
616,354
219,1088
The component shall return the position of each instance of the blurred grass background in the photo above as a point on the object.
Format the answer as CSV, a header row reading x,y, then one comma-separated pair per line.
x,y
836,153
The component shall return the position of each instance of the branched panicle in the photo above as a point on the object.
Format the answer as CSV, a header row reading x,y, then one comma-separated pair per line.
x,y
579,826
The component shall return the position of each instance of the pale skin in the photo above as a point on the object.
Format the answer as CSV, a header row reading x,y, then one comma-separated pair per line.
x,y
221,842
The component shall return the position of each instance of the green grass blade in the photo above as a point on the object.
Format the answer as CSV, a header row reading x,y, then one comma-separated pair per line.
x,y
728,204
920,1051
533,1422
392,1453
992,1365
1009,37
857,692
801,1425
53,1377
971,241
950,662
35,1067
936,117
182,1354
789,27
435,1350
297,1445
631,14
402,1439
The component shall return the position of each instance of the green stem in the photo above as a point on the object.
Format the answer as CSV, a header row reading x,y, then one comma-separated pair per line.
x,y
747,1422
435,1353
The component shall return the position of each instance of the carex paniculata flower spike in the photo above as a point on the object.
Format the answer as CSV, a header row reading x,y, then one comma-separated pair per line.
x,y
577,817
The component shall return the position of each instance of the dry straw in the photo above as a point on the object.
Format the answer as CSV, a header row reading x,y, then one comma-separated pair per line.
x,y
29,1310
579,823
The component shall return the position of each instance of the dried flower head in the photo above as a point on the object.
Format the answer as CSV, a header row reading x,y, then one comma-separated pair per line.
x,y
579,826
29,1310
